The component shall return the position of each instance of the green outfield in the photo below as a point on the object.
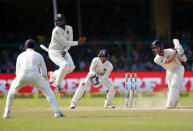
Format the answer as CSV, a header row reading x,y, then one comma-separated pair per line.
x,y
35,114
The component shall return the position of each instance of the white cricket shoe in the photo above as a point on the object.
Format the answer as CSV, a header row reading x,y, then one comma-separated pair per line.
x,y
59,114
170,106
6,115
109,106
73,105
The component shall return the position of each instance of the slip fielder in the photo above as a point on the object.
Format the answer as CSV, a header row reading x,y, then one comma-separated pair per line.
x,y
28,65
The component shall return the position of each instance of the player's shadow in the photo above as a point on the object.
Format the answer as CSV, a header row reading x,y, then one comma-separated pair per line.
x,y
104,116
184,107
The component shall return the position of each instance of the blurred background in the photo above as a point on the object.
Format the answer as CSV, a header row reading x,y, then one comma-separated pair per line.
x,y
125,27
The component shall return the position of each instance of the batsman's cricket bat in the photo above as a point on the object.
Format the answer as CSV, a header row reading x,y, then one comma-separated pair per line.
x,y
176,42
44,48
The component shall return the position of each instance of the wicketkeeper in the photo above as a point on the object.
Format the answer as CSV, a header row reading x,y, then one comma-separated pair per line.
x,y
100,70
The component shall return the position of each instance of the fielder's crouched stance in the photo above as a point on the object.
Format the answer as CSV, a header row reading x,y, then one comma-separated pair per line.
x,y
170,60
27,73
100,69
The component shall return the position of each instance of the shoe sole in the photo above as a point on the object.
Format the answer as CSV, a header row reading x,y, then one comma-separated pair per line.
x,y
72,107
109,107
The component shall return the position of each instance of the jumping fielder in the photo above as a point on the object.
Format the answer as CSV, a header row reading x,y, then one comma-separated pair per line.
x,y
61,41
170,60
100,69
28,65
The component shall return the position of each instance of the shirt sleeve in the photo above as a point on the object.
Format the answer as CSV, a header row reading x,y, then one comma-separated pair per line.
x,y
70,38
159,60
43,68
17,65
92,66
60,37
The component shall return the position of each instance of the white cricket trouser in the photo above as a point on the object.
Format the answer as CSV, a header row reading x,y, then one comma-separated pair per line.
x,y
107,83
174,80
65,63
30,77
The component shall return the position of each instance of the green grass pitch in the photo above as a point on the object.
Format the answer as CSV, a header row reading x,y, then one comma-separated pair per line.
x,y
35,114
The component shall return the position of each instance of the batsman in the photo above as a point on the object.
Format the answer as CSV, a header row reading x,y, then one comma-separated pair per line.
x,y
171,59
61,41
100,70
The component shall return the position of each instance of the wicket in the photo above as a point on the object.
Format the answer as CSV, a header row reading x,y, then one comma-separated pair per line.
x,y
130,86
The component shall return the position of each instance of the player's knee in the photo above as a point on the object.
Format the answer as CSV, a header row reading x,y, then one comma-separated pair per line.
x,y
71,69
84,84
64,67
109,84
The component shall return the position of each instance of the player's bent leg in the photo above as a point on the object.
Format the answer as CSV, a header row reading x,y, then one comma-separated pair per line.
x,y
51,98
110,93
15,86
173,97
78,94
63,70
53,76
109,97
71,68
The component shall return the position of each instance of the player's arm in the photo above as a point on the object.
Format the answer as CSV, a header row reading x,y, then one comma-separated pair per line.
x,y
43,68
17,65
70,38
170,58
60,37
92,66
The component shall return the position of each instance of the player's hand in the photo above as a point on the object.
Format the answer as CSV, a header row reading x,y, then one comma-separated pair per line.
x,y
81,40
63,53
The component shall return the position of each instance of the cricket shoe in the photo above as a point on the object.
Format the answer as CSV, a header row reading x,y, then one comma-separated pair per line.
x,y
73,105
60,89
170,106
109,106
59,114
6,115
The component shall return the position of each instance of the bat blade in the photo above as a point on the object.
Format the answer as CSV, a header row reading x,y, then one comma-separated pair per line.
x,y
44,48
176,42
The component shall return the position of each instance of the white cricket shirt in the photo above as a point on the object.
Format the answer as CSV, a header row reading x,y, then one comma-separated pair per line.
x,y
98,66
31,60
62,39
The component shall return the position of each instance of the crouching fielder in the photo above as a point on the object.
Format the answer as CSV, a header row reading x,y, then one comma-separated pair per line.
x,y
27,73
170,60
98,75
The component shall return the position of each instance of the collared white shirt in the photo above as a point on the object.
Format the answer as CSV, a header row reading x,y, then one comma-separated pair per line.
x,y
62,39
98,66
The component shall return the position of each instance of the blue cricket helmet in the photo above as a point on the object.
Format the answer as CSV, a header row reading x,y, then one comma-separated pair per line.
x,y
104,52
60,17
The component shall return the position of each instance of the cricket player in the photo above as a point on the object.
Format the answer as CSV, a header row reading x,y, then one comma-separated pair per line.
x,y
99,72
28,67
170,60
61,41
